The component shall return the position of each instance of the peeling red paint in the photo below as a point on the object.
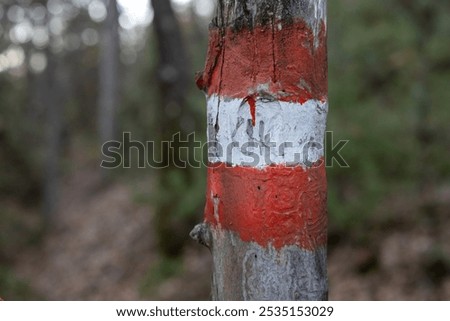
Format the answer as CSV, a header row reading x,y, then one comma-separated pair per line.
x,y
242,62
278,205
199,81
252,104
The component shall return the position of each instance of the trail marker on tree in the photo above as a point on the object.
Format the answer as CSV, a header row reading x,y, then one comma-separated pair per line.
x,y
266,85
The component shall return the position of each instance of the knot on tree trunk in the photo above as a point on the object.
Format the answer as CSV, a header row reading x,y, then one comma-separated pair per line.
x,y
201,234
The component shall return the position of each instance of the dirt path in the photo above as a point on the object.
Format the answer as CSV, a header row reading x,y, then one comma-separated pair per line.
x,y
100,247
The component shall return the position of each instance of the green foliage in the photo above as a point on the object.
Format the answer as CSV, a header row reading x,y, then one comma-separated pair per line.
x,y
18,140
178,194
164,269
373,84
17,231
14,289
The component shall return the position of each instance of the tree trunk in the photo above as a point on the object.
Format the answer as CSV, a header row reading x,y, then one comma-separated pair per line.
x,y
54,121
172,227
265,215
109,89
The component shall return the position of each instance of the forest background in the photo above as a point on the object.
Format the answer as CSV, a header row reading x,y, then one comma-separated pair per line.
x,y
72,231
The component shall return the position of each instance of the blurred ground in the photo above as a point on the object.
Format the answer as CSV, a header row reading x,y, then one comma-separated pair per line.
x,y
100,237
101,248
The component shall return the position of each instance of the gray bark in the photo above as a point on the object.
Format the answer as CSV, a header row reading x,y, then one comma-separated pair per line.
x,y
248,271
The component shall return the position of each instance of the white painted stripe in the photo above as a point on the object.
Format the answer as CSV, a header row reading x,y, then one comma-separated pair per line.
x,y
284,132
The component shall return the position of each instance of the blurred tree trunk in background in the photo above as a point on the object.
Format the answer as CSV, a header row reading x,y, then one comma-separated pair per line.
x,y
172,77
109,82
52,100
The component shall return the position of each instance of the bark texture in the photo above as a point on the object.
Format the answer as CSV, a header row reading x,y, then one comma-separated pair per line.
x,y
266,84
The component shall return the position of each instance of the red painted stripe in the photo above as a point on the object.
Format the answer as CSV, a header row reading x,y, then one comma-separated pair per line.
x,y
277,205
252,104
284,61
